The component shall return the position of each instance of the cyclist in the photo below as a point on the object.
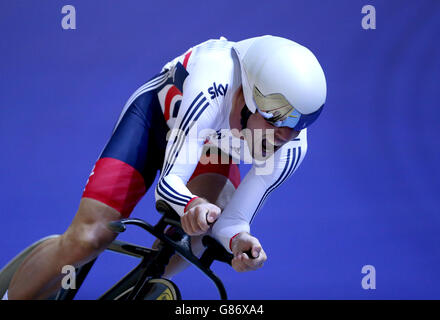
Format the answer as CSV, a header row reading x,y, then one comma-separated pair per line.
x,y
249,98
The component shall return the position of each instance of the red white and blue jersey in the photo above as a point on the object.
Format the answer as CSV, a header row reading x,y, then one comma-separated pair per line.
x,y
195,92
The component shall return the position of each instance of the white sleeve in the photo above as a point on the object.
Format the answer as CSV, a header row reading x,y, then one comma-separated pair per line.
x,y
254,190
185,144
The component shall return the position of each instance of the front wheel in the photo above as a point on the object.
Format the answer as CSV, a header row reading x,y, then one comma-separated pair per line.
x,y
162,289
156,289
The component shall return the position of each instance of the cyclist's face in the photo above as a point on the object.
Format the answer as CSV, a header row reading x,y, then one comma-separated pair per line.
x,y
265,138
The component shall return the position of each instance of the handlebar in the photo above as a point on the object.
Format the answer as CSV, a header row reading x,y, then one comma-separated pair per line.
x,y
214,250
170,217
173,218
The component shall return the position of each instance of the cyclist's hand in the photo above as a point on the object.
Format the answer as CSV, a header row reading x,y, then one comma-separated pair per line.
x,y
199,217
242,262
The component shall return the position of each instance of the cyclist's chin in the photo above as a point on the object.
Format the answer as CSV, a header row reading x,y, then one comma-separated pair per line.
x,y
261,150
261,157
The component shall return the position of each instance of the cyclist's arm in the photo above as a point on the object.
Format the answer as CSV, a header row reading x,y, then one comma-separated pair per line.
x,y
253,191
185,143
183,153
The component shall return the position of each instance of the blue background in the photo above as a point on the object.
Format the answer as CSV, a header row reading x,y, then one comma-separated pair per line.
x,y
366,193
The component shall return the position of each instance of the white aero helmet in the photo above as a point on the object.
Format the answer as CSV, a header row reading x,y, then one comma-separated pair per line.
x,y
282,80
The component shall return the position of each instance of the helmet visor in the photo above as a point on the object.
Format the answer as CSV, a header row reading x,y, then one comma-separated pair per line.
x,y
277,110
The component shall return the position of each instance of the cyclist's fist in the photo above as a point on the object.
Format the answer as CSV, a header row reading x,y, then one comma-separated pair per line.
x,y
198,218
242,243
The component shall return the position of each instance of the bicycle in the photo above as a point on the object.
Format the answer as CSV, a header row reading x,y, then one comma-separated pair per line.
x,y
141,282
